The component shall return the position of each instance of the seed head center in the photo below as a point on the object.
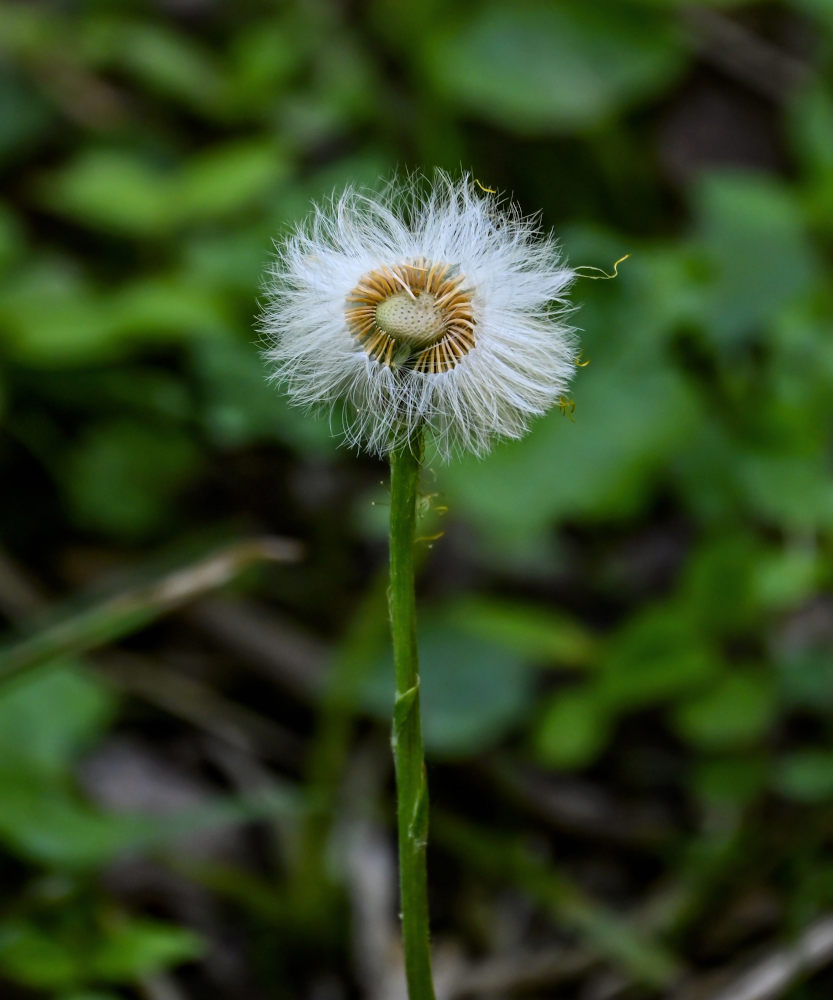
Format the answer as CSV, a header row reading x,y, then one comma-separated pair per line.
x,y
416,315
413,318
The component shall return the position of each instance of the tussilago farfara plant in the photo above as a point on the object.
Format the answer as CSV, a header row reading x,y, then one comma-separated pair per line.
x,y
439,310
433,310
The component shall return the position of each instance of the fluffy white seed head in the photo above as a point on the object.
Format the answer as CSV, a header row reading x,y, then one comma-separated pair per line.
x,y
435,307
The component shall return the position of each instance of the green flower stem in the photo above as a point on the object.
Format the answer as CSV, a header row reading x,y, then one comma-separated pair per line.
x,y
411,783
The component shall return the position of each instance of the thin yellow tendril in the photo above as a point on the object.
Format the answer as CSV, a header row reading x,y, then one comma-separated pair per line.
x,y
578,362
429,538
567,407
602,275
484,188
427,502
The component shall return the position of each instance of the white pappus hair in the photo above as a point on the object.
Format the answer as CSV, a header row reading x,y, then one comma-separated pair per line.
x,y
435,307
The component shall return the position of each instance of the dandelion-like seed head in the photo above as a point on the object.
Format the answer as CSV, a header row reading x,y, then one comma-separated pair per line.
x,y
441,310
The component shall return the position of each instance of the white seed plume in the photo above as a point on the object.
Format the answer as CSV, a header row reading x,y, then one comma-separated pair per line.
x,y
441,309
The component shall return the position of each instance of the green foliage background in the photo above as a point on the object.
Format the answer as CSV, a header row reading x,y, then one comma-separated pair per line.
x,y
636,605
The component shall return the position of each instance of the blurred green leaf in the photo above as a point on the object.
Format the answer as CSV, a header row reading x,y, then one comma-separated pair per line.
x,y
171,64
167,307
113,190
731,781
119,192
471,691
44,820
47,822
752,236
573,729
546,635
86,995
659,654
46,719
806,677
129,390
36,959
141,948
737,711
54,316
786,578
231,260
264,56
241,406
537,67
805,775
719,583
228,178
599,467
820,9
24,114
791,489
810,124
123,477
120,951
11,238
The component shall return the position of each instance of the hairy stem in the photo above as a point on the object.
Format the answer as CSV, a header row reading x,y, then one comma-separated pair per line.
x,y
411,784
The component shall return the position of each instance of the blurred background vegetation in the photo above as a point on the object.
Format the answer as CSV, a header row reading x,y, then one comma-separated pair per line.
x,y
627,624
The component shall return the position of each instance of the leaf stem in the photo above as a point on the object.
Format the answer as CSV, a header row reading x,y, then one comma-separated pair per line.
x,y
411,783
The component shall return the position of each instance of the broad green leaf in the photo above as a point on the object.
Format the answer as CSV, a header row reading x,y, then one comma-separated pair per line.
x,y
790,489
752,236
536,67
598,467
471,691
47,719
